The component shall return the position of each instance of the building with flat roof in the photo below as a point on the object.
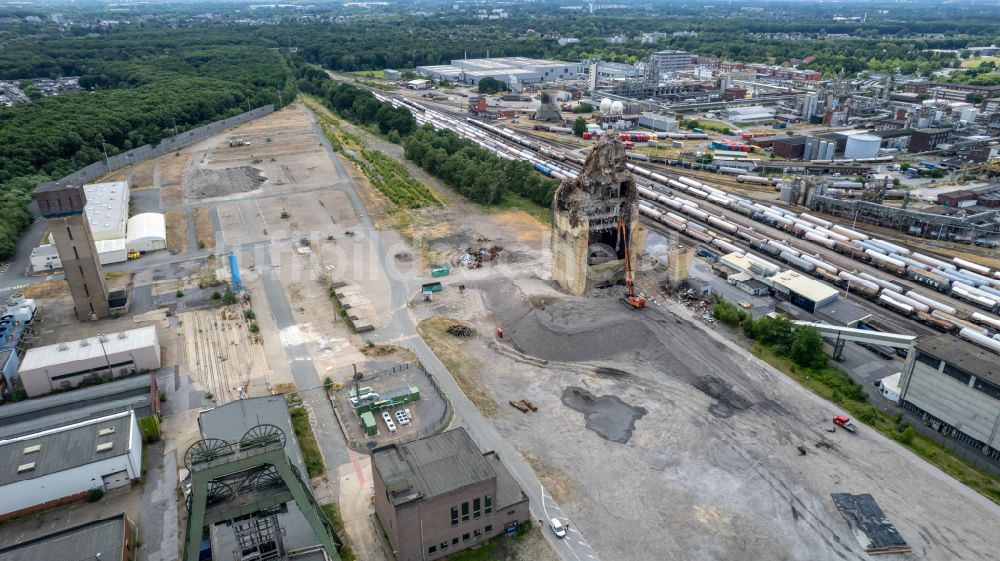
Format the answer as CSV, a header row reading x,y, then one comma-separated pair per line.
x,y
505,69
65,365
46,468
440,494
105,539
747,114
107,209
135,393
803,291
665,62
955,386
922,140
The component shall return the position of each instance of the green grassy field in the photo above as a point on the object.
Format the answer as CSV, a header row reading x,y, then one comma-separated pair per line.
x,y
974,62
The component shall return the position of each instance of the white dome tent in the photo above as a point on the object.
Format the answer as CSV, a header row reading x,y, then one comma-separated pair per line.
x,y
146,232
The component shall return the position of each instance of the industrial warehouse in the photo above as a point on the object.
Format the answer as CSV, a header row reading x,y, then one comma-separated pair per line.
x,y
509,70
65,365
116,235
54,466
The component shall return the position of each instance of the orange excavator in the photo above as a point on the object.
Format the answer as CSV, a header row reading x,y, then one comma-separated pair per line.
x,y
632,299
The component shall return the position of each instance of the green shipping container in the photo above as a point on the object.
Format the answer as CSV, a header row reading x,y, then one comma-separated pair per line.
x,y
368,421
431,287
440,271
414,393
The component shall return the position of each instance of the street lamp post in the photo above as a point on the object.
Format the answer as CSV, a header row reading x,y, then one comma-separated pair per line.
x,y
100,339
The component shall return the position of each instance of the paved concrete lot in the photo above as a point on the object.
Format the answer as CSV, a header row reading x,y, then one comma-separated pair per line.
x,y
712,468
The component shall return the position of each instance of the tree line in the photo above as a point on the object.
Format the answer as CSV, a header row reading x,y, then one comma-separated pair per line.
x,y
181,88
476,173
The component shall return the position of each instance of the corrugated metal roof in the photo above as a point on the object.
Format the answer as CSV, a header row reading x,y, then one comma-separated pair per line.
x,y
974,359
32,415
61,353
63,448
105,537
432,466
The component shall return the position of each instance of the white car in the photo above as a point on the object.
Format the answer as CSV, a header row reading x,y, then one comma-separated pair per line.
x,y
557,528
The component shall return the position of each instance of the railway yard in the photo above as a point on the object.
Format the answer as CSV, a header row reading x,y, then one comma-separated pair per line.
x,y
911,292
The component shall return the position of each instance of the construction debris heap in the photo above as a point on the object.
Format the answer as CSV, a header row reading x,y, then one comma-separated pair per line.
x,y
587,246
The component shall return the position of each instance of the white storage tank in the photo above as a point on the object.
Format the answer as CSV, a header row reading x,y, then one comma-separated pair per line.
x,y
862,146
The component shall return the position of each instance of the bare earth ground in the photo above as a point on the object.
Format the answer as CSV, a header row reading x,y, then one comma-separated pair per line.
x,y
711,469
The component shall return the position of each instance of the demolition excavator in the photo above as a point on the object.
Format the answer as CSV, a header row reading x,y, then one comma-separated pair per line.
x,y
631,299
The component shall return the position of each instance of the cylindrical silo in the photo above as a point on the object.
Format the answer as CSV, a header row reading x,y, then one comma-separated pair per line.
x,y
862,146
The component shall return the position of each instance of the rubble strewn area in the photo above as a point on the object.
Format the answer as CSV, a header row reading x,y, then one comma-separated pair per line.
x,y
660,435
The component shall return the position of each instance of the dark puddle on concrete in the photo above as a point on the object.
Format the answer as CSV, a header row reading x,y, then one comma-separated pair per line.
x,y
608,415
727,401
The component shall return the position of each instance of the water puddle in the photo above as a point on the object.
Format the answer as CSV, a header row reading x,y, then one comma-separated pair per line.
x,y
607,415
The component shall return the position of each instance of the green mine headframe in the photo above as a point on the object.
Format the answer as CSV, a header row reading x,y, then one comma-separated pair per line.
x,y
230,480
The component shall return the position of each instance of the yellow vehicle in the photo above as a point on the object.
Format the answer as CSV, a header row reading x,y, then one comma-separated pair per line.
x,y
133,255
746,305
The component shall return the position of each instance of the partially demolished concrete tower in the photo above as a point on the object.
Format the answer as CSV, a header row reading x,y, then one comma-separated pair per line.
x,y
588,248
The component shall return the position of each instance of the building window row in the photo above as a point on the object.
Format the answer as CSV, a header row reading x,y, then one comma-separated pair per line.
x,y
475,534
477,509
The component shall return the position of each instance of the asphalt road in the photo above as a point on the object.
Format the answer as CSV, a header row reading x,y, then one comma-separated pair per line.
x,y
402,331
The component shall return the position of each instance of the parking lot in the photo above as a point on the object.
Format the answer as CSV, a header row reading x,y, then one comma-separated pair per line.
x,y
387,389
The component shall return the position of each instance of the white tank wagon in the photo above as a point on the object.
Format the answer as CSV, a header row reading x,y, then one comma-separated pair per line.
x,y
722,224
858,281
816,238
890,247
726,246
975,267
907,300
980,339
934,304
880,282
852,234
895,305
936,263
983,319
820,264
815,220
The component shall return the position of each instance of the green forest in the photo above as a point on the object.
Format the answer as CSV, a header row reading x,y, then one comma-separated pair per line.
x,y
136,97
473,171
175,69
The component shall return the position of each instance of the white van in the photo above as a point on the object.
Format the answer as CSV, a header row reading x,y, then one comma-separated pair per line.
x,y
557,528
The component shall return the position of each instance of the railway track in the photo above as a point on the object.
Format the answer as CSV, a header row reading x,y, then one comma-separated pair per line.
x,y
513,145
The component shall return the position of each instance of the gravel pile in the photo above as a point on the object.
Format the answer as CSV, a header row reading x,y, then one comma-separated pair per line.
x,y
209,183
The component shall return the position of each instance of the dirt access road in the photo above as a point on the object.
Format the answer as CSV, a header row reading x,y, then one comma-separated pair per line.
x,y
662,440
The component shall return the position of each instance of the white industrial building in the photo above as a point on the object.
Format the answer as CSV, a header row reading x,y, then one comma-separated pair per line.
x,y
65,365
43,469
115,234
747,114
107,209
506,69
146,232
111,251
